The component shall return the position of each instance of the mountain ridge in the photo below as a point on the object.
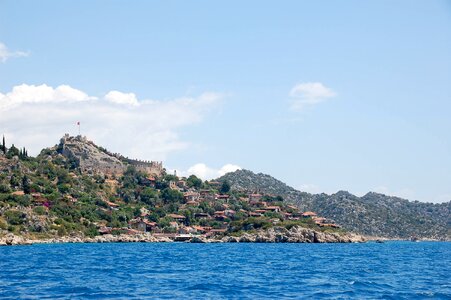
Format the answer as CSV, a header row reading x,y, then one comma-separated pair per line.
x,y
373,214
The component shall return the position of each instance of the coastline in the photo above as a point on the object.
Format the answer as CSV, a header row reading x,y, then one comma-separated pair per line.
x,y
273,235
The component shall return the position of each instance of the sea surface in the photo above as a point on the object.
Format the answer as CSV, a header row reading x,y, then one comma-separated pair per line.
x,y
392,270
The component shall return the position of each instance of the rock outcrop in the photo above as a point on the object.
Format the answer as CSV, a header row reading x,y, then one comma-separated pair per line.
x,y
273,235
91,158
296,234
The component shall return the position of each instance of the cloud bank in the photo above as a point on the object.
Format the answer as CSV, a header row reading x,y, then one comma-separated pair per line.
x,y
309,94
37,116
6,54
204,172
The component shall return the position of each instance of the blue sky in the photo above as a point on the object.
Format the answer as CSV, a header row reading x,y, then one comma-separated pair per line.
x,y
324,95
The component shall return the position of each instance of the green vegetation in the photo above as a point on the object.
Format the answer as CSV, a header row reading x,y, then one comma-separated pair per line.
x,y
50,195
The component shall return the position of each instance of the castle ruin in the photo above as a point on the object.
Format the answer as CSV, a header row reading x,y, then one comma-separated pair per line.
x,y
92,158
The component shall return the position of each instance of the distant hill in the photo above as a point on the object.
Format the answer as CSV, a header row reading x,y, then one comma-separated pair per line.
x,y
373,214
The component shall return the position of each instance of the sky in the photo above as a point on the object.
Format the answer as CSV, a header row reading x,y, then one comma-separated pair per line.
x,y
323,95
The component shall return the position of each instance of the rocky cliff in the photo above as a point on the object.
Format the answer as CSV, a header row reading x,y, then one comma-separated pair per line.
x,y
89,157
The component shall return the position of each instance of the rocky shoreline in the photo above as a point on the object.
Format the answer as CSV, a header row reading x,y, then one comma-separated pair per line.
x,y
273,235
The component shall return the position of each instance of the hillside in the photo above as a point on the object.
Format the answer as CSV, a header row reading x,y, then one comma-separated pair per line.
x,y
78,189
373,214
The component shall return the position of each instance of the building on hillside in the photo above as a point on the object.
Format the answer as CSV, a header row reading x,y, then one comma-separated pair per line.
x,y
142,224
309,214
177,217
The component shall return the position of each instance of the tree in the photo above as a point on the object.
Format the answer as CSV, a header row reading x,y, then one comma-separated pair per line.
x,y
169,196
3,148
13,151
194,181
26,185
225,187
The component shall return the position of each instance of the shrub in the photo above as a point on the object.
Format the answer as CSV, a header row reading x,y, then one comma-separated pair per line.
x,y
15,217
39,210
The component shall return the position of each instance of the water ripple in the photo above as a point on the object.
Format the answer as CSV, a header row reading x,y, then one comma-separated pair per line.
x,y
395,270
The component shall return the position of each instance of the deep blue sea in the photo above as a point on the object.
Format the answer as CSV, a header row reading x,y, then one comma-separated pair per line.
x,y
393,270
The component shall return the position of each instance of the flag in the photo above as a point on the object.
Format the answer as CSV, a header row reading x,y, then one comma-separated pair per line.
x,y
78,123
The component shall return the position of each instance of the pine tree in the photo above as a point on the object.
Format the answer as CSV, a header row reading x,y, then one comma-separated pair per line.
x,y
26,184
4,145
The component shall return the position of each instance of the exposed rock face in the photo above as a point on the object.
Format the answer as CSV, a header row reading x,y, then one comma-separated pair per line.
x,y
11,240
294,235
273,235
90,157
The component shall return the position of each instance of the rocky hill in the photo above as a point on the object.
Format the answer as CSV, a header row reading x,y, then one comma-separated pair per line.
x,y
89,157
78,191
373,214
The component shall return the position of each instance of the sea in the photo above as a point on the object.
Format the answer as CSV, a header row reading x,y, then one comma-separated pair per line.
x,y
391,270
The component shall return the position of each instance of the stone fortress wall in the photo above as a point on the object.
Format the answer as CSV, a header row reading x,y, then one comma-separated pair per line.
x,y
93,158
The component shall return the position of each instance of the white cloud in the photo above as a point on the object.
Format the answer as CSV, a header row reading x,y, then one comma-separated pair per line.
x,y
228,168
37,116
6,54
24,93
122,98
204,172
309,93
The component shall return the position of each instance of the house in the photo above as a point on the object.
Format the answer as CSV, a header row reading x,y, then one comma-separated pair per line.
x,y
176,217
192,203
181,184
202,216
254,214
221,197
308,214
39,200
18,193
272,208
149,181
174,225
105,230
220,215
319,220
186,230
112,205
229,213
202,229
191,196
142,225
173,186
287,216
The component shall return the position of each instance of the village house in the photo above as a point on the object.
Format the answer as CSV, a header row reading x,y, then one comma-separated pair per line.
x,y
229,213
202,216
309,214
176,217
112,205
202,229
142,225
254,214
221,197
220,215
272,208
191,196
173,186
174,225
